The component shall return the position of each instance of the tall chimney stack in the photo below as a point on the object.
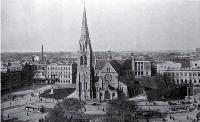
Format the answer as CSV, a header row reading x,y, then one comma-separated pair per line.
x,y
42,53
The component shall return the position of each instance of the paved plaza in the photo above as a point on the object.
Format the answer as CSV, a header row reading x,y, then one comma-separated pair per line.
x,y
16,108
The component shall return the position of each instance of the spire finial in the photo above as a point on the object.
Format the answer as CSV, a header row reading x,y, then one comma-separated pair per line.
x,y
84,3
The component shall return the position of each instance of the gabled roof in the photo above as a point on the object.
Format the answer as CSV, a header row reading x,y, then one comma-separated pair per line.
x,y
100,63
116,66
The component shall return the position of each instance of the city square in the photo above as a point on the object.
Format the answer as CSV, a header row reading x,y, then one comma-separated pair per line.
x,y
140,61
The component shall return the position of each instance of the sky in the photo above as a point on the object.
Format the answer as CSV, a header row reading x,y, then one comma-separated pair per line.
x,y
118,25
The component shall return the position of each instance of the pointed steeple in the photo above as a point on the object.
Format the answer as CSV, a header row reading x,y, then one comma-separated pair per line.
x,y
84,23
84,41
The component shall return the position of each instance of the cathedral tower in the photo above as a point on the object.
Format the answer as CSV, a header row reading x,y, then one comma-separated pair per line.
x,y
85,70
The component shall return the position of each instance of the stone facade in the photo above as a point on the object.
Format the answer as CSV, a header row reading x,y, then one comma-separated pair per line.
x,y
184,76
85,71
110,84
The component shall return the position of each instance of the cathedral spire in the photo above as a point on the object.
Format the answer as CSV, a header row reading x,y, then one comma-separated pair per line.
x,y
84,24
85,39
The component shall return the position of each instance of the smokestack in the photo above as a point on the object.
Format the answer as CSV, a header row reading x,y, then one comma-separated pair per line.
x,y
42,53
132,56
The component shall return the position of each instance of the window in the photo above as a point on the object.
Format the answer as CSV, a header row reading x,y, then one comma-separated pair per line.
x,y
113,94
181,80
173,80
135,65
141,73
107,69
85,60
83,48
185,80
178,81
81,60
195,81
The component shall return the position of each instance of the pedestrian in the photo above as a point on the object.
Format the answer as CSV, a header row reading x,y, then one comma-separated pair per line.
x,y
27,113
8,116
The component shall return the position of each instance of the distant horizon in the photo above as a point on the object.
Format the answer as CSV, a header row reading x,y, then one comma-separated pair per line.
x,y
190,50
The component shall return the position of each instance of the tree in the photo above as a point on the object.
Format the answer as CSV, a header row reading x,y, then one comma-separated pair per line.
x,y
120,110
66,110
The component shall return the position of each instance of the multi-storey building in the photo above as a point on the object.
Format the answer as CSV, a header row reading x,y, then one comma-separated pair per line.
x,y
141,68
14,66
183,75
167,65
61,73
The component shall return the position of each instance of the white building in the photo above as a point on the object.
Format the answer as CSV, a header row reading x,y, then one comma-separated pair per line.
x,y
184,76
63,72
141,68
167,65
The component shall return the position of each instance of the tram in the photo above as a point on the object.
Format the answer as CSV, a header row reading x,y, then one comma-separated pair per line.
x,y
34,108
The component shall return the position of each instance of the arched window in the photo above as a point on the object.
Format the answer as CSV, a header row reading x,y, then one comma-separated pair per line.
x,y
81,60
85,60
83,48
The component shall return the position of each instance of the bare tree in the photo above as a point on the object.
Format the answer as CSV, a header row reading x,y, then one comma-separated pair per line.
x,y
66,110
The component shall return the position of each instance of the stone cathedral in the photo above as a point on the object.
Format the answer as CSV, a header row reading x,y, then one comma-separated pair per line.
x,y
85,66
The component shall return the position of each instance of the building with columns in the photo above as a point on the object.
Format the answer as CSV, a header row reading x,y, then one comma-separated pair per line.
x,y
141,68
183,75
179,75
85,69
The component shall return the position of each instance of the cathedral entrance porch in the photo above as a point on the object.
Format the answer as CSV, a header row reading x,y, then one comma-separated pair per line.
x,y
107,96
